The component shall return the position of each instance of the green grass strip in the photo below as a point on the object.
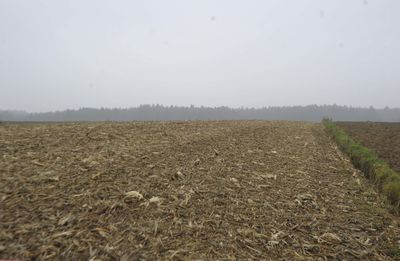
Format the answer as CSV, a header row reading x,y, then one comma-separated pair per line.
x,y
378,171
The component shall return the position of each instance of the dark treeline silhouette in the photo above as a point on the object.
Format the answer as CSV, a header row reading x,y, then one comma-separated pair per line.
x,y
160,112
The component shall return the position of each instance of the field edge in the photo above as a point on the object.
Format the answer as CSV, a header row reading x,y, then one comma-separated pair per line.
x,y
385,179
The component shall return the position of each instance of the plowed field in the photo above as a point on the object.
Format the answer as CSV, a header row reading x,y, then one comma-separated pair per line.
x,y
382,138
186,190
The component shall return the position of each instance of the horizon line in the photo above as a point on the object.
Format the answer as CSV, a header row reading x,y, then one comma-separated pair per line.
x,y
197,106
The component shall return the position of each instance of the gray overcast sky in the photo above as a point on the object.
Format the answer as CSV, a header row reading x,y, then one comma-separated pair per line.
x,y
90,53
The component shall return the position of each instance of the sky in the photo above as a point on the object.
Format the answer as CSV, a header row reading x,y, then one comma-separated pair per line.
x,y
57,55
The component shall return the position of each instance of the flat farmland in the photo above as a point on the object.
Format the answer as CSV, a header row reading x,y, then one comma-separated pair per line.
x,y
382,138
186,190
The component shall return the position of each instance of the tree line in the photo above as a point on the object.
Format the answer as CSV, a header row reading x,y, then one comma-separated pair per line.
x,y
159,112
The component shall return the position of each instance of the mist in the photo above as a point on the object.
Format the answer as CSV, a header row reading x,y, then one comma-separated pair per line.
x,y
57,55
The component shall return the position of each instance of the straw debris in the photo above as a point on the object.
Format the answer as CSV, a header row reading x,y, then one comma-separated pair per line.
x,y
134,194
209,190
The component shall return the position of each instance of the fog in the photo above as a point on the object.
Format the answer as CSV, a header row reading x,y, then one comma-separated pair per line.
x,y
57,55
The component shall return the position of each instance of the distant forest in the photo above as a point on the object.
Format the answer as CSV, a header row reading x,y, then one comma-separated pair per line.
x,y
160,112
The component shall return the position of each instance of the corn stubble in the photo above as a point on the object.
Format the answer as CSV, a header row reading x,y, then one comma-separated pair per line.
x,y
185,190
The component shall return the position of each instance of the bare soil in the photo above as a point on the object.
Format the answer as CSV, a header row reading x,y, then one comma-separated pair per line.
x,y
186,190
382,138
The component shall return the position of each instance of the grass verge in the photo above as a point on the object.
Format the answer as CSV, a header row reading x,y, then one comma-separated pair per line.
x,y
378,171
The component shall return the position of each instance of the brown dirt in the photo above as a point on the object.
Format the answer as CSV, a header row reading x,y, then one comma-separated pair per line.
x,y
382,138
186,190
